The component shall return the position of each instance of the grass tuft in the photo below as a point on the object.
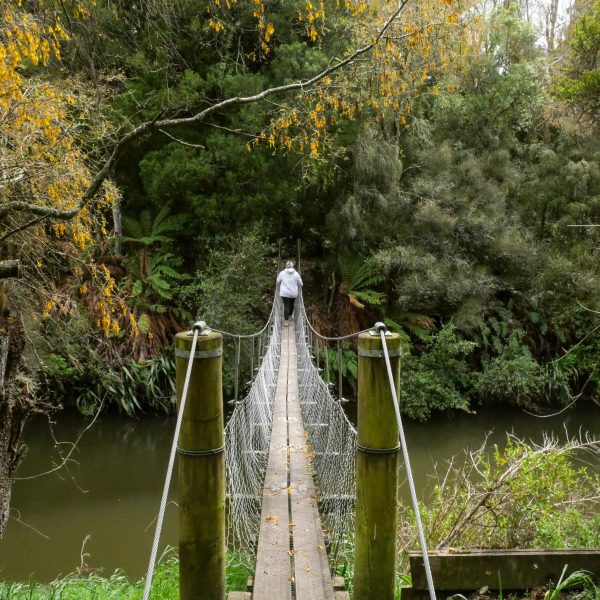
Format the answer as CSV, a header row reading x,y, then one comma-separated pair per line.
x,y
118,586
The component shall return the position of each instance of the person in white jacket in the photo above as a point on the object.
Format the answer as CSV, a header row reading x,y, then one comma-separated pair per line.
x,y
289,284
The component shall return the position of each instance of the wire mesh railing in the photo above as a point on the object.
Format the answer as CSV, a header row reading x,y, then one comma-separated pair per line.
x,y
247,439
332,444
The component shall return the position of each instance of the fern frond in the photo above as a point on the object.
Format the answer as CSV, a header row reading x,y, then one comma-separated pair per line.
x,y
358,272
167,258
165,222
354,301
167,271
350,265
158,308
160,286
397,328
421,326
367,276
368,296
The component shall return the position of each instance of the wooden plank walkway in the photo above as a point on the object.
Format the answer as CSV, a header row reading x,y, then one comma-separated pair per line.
x,y
291,561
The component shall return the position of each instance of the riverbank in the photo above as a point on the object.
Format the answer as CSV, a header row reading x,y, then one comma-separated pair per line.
x,y
82,585
575,585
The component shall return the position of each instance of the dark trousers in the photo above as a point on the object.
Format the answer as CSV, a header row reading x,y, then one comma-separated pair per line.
x,y
288,307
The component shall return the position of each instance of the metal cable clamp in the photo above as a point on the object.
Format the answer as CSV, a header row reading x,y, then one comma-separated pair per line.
x,y
367,450
211,452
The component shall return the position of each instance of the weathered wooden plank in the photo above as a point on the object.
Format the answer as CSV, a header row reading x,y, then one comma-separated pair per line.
x,y
509,569
313,579
273,571
290,510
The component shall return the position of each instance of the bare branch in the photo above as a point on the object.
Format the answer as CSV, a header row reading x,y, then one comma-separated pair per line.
x,y
22,227
236,131
67,457
175,139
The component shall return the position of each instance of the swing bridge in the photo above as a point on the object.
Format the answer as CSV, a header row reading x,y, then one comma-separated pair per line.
x,y
288,486
276,487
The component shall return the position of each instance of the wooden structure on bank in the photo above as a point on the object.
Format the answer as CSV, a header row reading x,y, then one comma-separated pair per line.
x,y
506,570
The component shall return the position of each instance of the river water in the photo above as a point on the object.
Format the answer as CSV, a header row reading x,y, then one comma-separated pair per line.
x,y
98,509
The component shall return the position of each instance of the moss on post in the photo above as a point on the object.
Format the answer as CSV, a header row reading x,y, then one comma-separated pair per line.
x,y
201,476
376,472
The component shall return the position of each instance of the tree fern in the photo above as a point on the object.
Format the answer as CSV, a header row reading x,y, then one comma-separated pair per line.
x,y
156,267
358,276
147,231
421,326
350,265
166,223
368,296
367,276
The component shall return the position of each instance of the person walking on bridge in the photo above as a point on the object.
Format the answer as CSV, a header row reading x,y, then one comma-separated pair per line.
x,y
290,283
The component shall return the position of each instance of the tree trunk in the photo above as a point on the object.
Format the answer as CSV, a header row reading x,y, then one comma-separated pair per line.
x,y
551,18
9,268
14,408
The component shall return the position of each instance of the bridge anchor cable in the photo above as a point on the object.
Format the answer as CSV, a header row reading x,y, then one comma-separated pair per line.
x,y
198,327
411,483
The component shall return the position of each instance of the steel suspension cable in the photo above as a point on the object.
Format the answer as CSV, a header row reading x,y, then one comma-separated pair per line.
x,y
250,335
198,327
411,483
324,337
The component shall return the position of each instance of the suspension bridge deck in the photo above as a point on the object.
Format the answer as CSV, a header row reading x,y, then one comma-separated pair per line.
x,y
291,560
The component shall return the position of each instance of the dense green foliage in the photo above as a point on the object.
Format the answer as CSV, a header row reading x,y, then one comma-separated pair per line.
x,y
233,290
580,83
474,215
439,378
463,227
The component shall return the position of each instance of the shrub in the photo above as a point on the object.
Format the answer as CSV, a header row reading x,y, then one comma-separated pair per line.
x,y
513,376
439,379
522,496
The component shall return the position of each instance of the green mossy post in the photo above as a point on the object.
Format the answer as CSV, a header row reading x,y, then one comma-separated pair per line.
x,y
376,474
201,478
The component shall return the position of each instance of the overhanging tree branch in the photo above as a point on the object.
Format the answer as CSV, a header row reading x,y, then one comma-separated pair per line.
x,y
149,126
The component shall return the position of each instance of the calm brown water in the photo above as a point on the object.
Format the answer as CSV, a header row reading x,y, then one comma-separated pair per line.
x,y
109,493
